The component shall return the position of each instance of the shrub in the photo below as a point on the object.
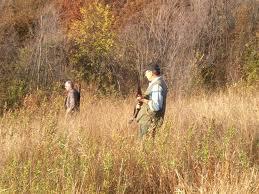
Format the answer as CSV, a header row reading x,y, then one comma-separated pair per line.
x,y
94,41
251,62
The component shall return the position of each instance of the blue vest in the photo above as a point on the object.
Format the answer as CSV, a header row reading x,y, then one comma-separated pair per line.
x,y
145,114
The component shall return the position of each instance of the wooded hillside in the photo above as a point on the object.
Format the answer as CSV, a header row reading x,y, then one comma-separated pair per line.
x,y
203,44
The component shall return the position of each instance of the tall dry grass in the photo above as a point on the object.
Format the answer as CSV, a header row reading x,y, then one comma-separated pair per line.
x,y
208,144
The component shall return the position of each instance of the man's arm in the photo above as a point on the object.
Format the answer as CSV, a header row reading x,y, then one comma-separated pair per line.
x,y
156,101
72,102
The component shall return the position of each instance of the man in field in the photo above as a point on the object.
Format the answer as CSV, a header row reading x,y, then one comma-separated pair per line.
x,y
72,101
152,112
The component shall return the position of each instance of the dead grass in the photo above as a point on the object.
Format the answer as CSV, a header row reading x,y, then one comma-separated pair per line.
x,y
208,144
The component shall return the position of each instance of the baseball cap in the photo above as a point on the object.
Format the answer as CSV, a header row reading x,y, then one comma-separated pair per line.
x,y
154,67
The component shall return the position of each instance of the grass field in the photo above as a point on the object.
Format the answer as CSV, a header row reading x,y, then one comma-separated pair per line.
x,y
208,144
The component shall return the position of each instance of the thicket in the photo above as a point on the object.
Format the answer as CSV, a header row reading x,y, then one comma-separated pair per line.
x,y
105,44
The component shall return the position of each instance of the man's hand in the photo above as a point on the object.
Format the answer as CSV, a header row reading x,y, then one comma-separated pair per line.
x,y
141,99
68,110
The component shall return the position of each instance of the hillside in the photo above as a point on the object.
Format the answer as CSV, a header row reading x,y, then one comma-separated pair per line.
x,y
200,44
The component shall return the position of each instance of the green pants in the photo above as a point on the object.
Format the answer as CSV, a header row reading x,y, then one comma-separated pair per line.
x,y
149,126
143,130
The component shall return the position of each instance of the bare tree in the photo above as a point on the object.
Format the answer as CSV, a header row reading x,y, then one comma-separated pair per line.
x,y
188,37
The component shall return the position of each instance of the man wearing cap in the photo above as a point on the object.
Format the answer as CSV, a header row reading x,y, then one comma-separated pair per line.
x,y
72,101
152,112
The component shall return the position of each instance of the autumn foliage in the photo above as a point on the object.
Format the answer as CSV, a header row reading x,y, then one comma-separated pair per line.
x,y
201,44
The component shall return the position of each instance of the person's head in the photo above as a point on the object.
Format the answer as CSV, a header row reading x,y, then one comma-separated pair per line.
x,y
69,85
152,71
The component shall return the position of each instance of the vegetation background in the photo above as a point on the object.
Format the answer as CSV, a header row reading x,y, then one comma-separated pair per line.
x,y
209,52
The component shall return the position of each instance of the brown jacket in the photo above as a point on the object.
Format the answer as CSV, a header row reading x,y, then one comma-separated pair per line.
x,y
72,100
